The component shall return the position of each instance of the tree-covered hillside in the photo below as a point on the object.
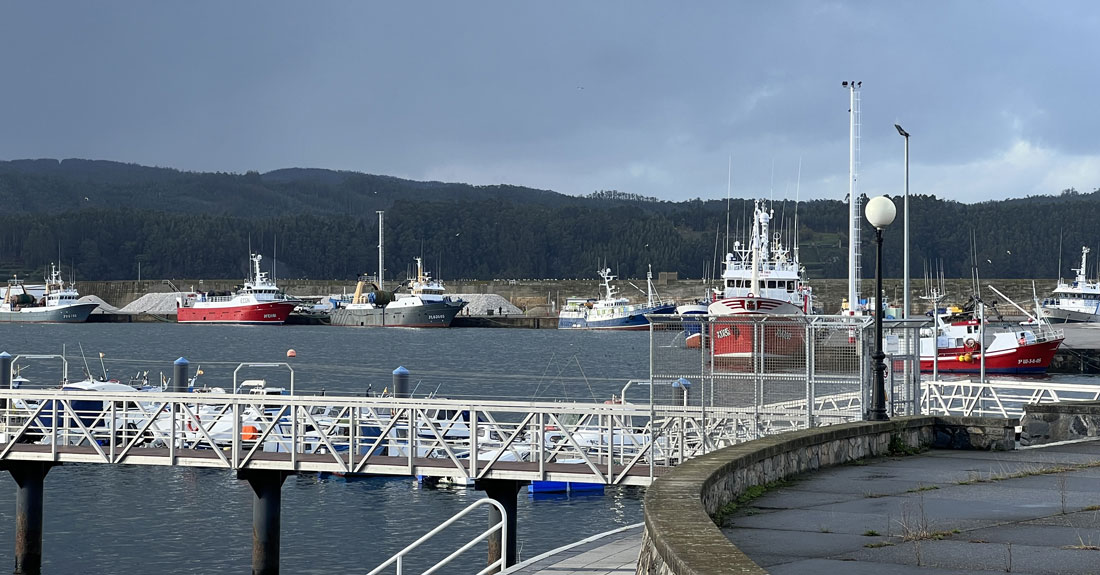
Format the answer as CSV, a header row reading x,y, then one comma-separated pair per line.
x,y
104,218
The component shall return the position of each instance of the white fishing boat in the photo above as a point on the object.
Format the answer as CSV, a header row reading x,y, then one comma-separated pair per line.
x,y
59,302
1075,302
612,312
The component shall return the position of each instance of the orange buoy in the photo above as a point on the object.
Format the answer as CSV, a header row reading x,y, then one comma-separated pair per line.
x,y
291,353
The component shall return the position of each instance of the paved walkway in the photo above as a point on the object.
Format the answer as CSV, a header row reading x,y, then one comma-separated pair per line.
x,y
1031,511
961,512
615,553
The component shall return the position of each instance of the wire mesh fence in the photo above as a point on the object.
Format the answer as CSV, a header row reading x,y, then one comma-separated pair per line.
x,y
754,375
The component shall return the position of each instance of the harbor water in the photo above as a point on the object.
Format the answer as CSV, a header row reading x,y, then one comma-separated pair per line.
x,y
136,519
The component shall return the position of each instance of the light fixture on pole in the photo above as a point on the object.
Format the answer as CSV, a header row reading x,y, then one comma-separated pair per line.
x,y
880,213
905,238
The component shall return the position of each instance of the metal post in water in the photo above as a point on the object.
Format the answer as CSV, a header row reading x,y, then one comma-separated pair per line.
x,y
5,374
981,337
179,375
401,382
502,491
267,486
29,476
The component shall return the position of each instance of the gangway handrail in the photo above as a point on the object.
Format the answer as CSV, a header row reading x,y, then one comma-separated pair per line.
x,y
501,526
263,364
64,362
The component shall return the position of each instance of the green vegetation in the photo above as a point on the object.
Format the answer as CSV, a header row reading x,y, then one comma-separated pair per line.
x,y
752,492
104,218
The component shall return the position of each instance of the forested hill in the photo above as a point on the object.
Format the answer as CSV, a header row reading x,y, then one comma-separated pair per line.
x,y
104,218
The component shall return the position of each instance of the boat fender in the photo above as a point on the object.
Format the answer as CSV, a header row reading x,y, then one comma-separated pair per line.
x,y
192,424
971,343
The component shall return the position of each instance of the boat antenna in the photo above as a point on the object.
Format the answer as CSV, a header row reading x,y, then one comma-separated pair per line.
x,y
771,184
729,181
87,370
381,243
274,256
797,186
974,264
717,229
1059,274
103,367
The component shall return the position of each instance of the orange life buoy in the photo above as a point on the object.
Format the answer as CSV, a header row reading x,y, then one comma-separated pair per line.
x,y
971,344
1023,341
191,424
249,433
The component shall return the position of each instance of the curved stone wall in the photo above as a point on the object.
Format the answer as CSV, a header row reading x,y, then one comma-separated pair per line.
x,y
680,536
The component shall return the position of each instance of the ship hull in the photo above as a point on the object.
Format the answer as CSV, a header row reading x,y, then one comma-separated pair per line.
x,y
77,313
271,313
431,314
1060,315
1033,358
735,319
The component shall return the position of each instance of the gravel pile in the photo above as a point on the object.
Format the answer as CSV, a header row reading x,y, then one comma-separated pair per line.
x,y
104,307
481,303
158,303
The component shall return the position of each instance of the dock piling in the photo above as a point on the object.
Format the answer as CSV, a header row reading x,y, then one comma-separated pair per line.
x,y
29,476
504,491
179,375
267,485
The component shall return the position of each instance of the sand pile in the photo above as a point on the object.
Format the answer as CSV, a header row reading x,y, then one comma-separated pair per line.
x,y
481,303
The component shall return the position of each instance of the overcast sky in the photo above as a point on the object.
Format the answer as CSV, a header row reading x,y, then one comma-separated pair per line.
x,y
653,98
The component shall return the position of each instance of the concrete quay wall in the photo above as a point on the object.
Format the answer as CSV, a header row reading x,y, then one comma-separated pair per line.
x,y
536,295
681,536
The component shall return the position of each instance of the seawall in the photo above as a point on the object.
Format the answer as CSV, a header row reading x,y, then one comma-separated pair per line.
x,y
531,295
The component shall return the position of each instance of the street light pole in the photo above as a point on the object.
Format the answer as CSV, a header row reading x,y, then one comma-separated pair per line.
x,y
905,238
880,213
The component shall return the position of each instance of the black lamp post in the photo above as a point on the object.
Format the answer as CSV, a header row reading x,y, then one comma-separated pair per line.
x,y
880,212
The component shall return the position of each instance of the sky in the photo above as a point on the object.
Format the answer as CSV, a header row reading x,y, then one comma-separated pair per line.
x,y
664,99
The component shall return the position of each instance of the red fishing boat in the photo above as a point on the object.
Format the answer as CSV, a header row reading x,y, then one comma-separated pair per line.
x,y
258,301
763,295
961,345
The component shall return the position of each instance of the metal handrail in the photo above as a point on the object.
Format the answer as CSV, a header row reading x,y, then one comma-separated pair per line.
x,y
501,526
262,364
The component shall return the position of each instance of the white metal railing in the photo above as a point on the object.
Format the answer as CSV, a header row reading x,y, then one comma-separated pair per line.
x,y
603,443
998,398
501,526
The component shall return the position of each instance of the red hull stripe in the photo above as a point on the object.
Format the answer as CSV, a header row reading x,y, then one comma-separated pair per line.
x,y
266,313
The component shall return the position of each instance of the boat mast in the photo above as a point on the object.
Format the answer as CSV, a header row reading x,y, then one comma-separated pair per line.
x,y
381,243
756,240
853,198
1081,279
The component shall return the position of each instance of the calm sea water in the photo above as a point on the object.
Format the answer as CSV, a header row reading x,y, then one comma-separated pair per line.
x,y
131,519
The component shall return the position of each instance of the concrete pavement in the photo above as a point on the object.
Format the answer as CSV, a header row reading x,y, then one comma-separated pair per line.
x,y
613,553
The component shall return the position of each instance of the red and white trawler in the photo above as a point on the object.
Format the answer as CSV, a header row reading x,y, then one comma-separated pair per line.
x,y
258,301
762,278
961,345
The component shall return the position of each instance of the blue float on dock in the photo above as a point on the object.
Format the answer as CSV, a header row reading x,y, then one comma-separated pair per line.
x,y
564,487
